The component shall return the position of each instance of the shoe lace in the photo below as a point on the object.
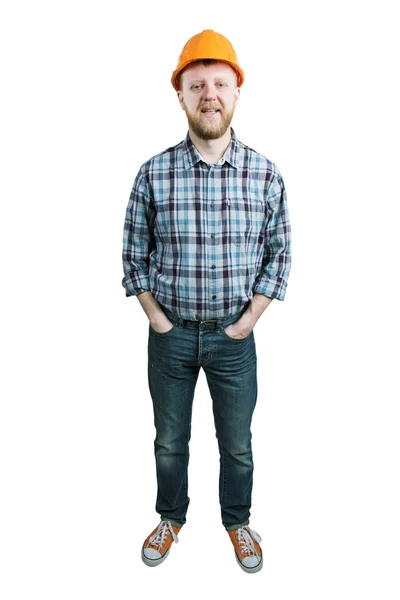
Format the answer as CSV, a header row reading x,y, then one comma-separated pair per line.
x,y
246,537
163,530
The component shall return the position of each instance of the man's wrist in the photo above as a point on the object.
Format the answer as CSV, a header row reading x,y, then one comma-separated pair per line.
x,y
152,308
255,309
158,318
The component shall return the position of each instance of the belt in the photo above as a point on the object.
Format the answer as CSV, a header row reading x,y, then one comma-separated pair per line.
x,y
209,324
203,324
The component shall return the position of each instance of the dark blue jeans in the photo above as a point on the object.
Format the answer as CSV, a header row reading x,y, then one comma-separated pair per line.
x,y
174,361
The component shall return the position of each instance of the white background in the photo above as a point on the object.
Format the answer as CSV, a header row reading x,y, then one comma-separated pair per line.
x,y
86,99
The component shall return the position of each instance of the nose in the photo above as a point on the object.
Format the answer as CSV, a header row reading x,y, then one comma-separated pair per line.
x,y
209,91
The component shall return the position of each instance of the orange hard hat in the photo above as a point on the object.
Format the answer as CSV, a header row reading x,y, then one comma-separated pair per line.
x,y
207,44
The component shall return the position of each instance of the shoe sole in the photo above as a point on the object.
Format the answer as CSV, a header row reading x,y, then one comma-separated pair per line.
x,y
250,569
154,562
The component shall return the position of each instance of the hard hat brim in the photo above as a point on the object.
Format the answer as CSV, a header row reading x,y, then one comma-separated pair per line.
x,y
178,71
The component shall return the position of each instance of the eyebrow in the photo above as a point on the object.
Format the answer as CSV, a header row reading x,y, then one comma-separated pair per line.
x,y
223,77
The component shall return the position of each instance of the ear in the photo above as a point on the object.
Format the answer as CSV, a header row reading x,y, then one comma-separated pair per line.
x,y
180,98
236,97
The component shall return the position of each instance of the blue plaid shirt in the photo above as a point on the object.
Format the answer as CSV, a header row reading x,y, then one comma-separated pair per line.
x,y
204,238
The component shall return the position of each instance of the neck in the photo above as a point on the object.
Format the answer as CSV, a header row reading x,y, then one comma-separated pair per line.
x,y
211,150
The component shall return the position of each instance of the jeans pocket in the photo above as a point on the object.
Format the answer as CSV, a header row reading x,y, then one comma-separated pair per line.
x,y
231,339
162,334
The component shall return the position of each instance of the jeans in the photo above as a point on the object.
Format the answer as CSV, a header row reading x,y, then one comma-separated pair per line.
x,y
230,365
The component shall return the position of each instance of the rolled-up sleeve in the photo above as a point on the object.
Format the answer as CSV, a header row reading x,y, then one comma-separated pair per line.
x,y
138,239
274,275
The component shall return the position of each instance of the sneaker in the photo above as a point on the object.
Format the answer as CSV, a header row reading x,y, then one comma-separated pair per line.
x,y
247,549
156,547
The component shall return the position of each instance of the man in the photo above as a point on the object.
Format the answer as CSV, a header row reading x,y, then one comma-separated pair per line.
x,y
206,249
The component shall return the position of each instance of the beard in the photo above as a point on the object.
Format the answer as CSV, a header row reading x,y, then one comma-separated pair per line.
x,y
209,131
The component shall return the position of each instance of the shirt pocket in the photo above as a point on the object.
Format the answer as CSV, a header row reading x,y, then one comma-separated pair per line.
x,y
245,219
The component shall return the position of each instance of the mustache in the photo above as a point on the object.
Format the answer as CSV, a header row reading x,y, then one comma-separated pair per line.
x,y
210,107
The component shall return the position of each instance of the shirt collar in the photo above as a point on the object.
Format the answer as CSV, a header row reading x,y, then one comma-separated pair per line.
x,y
192,156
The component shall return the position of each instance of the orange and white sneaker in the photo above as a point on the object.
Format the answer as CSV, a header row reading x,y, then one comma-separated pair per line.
x,y
157,545
247,549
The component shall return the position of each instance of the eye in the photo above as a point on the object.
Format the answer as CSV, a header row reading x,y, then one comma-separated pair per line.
x,y
195,86
221,84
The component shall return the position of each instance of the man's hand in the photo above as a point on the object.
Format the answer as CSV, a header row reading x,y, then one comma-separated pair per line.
x,y
158,319
241,329
245,325
161,323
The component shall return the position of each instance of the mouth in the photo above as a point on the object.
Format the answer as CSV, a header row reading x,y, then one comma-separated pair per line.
x,y
209,112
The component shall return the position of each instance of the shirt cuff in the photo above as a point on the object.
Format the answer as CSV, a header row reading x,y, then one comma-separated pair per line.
x,y
135,283
271,287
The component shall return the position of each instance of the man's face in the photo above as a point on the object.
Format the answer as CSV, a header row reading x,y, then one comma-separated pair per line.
x,y
209,96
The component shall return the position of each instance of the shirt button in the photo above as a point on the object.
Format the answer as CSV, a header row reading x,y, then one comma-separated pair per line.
x,y
212,204
214,297
212,174
213,267
213,235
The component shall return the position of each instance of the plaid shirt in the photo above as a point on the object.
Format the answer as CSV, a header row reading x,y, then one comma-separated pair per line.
x,y
204,238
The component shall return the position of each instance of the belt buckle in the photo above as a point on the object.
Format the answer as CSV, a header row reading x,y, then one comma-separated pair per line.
x,y
214,323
